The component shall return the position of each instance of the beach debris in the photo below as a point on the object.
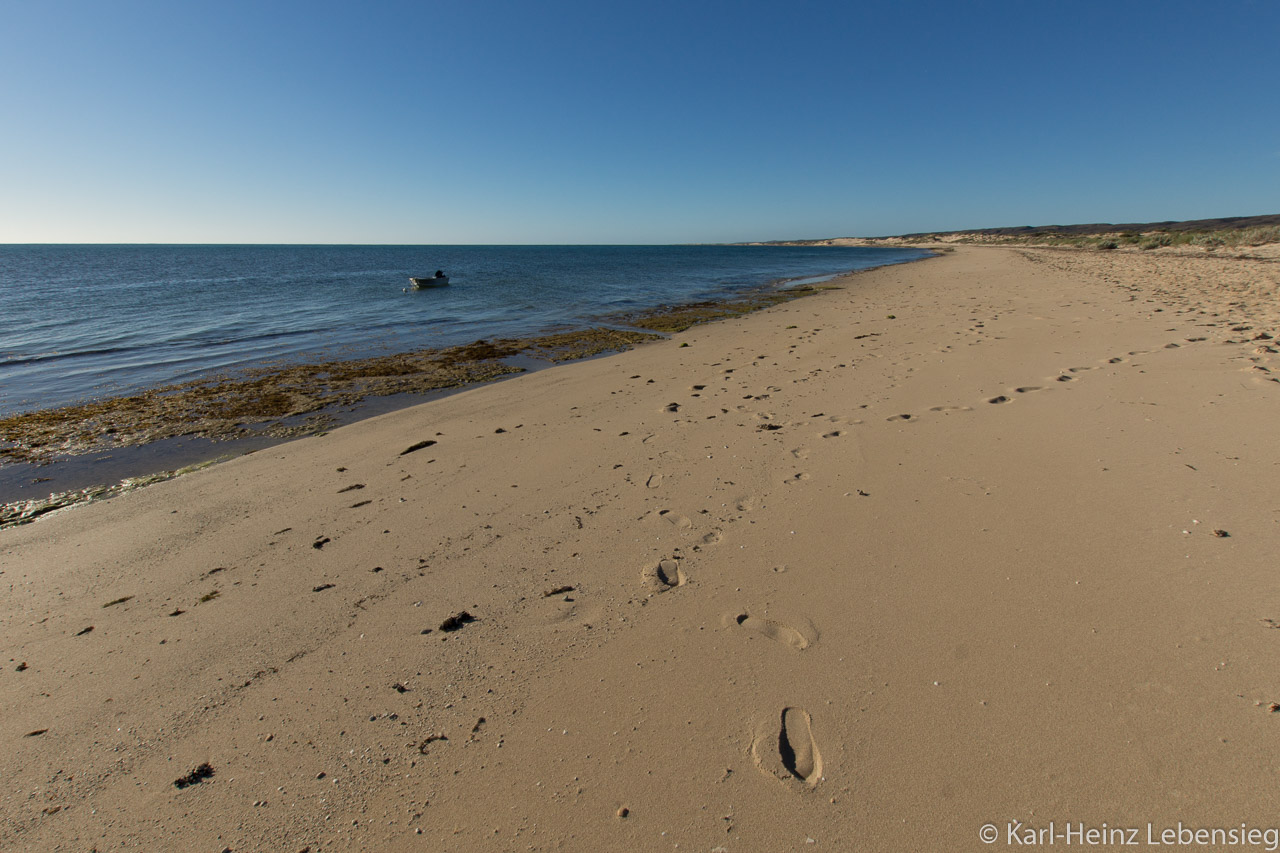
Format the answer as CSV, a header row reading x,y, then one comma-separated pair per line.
x,y
453,623
320,542
671,407
120,600
428,740
210,596
475,730
499,431
399,688
36,733
768,427
413,447
353,487
84,631
322,587
178,612
195,777
1274,707
557,591
623,811
21,667
1221,534
376,569
360,504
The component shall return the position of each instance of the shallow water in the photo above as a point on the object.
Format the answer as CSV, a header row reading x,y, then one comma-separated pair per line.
x,y
78,322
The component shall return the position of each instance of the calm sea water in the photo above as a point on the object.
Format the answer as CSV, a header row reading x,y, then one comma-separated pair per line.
x,y
78,322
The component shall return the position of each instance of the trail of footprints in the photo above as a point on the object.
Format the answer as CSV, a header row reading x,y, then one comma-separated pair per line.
x,y
788,752
787,748
1068,375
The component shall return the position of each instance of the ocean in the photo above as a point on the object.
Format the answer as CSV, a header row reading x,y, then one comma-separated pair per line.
x,y
79,322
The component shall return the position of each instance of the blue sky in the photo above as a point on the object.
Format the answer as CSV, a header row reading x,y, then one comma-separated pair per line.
x,y
627,122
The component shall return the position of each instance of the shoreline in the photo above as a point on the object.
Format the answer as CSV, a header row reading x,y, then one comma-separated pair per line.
x,y
1000,522
100,443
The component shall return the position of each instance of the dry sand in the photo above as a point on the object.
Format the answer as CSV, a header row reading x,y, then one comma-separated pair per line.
x,y
820,579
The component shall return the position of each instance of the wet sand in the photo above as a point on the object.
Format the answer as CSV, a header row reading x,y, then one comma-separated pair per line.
x,y
49,457
982,539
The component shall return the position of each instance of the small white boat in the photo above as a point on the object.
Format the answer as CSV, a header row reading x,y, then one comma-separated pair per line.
x,y
437,280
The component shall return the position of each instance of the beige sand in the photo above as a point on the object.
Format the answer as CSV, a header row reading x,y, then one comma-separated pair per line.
x,y
789,617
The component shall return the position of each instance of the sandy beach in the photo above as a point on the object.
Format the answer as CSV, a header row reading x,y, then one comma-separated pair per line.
x,y
984,540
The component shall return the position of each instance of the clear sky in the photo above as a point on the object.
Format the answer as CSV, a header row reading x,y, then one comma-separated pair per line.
x,y
613,121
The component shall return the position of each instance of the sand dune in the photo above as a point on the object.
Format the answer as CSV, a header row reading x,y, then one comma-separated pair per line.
x,y
984,539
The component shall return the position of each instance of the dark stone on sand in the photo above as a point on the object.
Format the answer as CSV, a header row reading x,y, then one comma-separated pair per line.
x,y
195,777
455,622
421,444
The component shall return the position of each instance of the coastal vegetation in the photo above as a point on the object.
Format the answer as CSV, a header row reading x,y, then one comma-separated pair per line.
x,y
1222,238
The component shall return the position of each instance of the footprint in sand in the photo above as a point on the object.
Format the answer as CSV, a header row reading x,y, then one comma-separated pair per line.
x,y
713,538
1000,399
746,504
833,434
784,634
682,522
792,755
666,575
796,479
800,453
951,409
654,481
1027,389
899,418
1065,378
1116,360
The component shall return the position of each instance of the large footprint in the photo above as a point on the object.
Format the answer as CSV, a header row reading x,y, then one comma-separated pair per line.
x,y
796,758
666,575
784,634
